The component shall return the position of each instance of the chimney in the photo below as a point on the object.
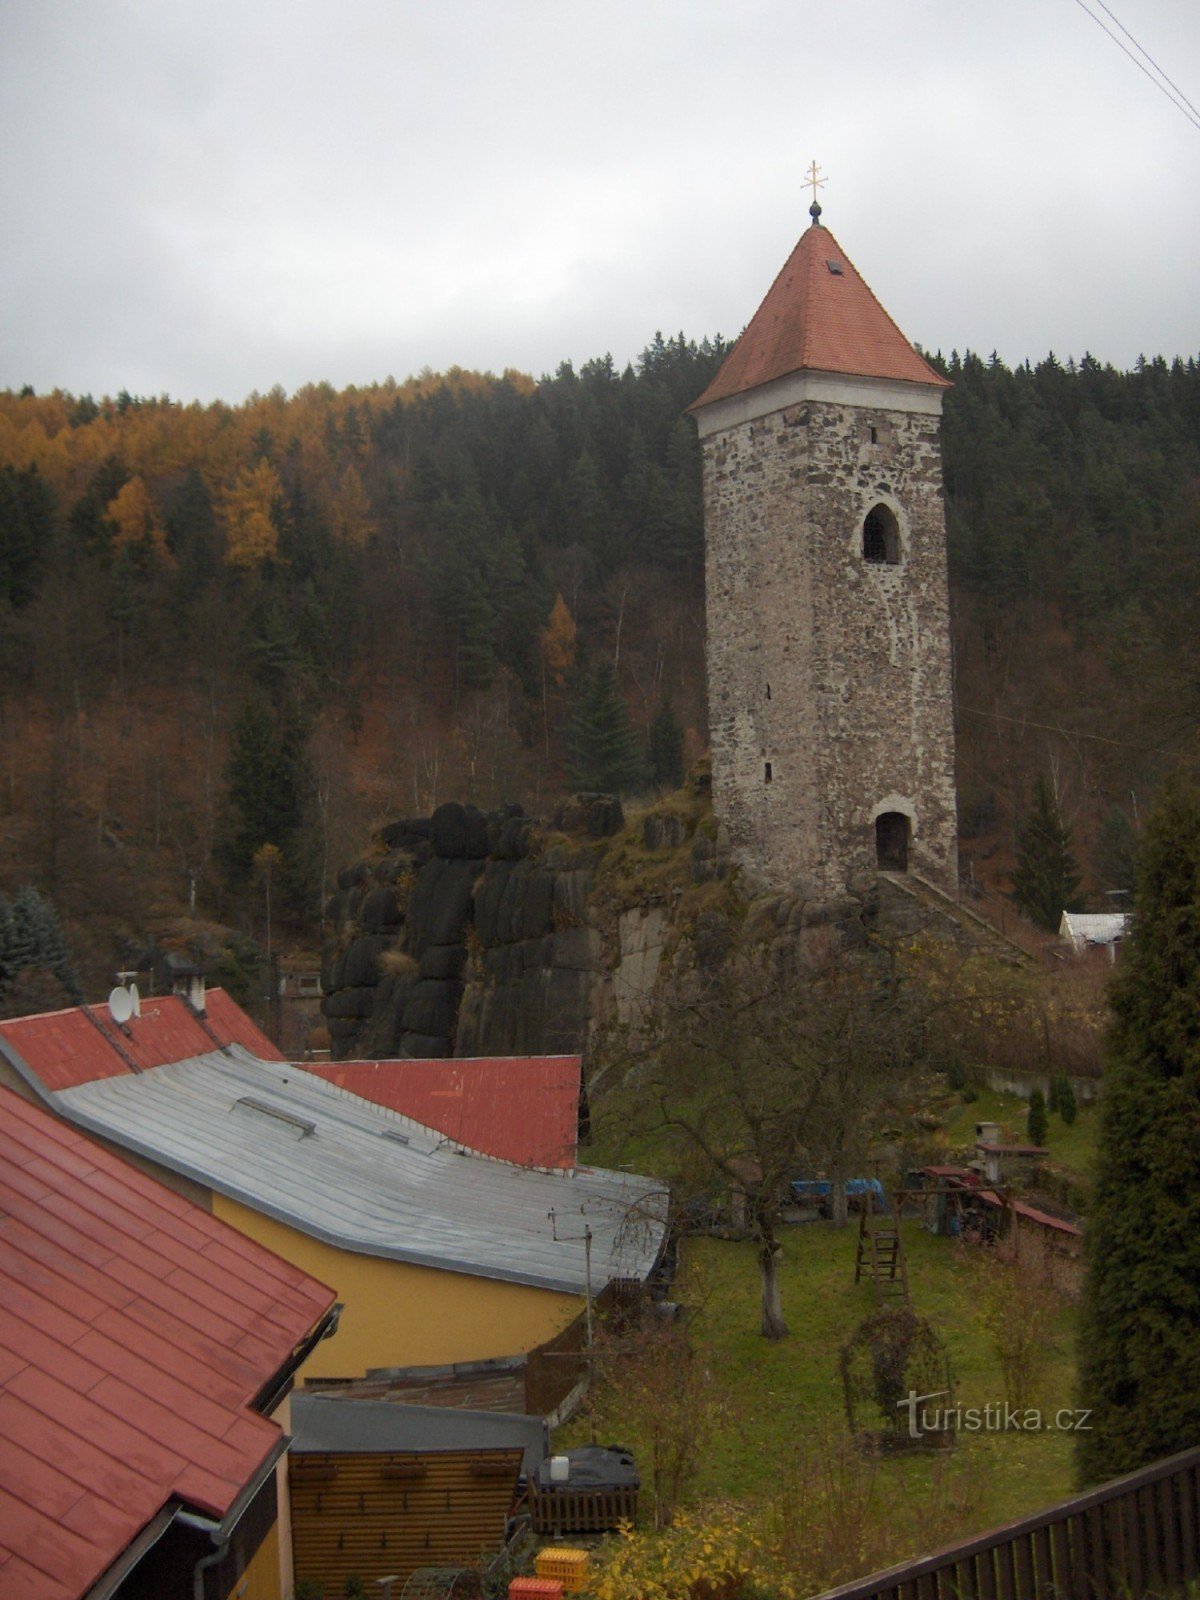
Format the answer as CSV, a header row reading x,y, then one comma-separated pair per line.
x,y
187,980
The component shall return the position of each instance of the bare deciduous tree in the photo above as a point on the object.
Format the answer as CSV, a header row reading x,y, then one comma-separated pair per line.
x,y
757,1071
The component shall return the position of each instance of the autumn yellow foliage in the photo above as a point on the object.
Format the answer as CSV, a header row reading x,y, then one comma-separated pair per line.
x,y
244,512
713,1554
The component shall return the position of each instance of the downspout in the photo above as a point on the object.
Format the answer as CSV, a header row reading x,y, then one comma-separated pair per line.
x,y
213,1529
221,1533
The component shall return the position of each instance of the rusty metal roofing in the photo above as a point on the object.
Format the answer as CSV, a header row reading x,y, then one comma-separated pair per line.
x,y
523,1109
818,316
363,1178
135,1330
65,1048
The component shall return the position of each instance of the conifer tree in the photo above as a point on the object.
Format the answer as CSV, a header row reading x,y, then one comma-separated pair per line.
x,y
1046,880
603,752
1063,1098
31,938
1139,1355
666,748
1036,1121
8,967
268,776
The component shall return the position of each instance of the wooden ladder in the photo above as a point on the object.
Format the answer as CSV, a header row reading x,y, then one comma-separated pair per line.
x,y
881,1256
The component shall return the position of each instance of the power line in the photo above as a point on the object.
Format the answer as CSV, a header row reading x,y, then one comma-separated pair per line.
x,y
1143,51
1162,83
1159,748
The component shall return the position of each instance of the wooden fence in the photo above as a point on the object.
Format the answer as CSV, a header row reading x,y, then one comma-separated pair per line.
x,y
1136,1537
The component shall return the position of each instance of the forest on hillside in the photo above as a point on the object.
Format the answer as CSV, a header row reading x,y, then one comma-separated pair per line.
x,y
284,622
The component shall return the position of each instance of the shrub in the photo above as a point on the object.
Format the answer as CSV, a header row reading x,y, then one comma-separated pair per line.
x,y
1064,1098
1036,1122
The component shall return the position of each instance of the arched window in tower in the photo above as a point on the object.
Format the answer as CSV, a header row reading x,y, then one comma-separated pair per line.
x,y
891,842
881,536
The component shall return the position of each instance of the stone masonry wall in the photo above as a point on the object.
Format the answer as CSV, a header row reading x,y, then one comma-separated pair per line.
x,y
833,670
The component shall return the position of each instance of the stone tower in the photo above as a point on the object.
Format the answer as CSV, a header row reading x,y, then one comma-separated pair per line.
x,y
829,675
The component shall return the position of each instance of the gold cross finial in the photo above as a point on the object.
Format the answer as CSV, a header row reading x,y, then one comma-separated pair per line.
x,y
813,181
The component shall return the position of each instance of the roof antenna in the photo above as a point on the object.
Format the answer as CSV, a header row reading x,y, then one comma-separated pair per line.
x,y
814,181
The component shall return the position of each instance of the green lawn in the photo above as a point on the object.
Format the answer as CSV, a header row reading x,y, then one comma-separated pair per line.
x,y
1072,1149
784,1401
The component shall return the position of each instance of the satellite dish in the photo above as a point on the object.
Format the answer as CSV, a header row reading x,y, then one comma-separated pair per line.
x,y
120,1005
136,998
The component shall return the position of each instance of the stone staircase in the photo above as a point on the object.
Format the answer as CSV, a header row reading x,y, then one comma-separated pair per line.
x,y
910,904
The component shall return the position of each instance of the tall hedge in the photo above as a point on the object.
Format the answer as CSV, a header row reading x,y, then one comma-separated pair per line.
x,y
1140,1325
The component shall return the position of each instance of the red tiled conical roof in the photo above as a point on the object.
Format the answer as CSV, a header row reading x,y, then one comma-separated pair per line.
x,y
818,316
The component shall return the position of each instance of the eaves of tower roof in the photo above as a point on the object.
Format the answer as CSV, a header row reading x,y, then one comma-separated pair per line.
x,y
818,316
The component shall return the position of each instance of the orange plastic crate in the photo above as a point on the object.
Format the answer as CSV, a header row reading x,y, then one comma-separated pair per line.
x,y
535,1589
569,1567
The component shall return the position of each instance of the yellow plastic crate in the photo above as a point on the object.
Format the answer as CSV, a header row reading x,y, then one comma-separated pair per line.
x,y
568,1567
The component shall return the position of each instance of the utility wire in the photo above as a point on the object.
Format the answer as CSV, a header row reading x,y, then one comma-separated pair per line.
x,y
1159,748
1143,51
1162,83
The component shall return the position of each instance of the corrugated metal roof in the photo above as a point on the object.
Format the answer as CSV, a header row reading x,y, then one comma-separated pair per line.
x,y
523,1109
363,1178
135,1329
818,316
75,1046
1093,927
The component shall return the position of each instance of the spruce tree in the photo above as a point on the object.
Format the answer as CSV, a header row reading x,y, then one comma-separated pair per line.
x,y
33,939
268,775
1139,1357
666,748
1046,880
8,934
1063,1098
603,752
1036,1120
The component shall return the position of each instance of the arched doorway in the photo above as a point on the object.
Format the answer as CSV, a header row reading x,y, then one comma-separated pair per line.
x,y
891,841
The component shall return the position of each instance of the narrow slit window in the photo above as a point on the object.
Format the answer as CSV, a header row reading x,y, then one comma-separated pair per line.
x,y
768,691
766,772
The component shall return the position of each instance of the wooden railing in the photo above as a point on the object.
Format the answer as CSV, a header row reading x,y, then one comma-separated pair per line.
x,y
1135,1537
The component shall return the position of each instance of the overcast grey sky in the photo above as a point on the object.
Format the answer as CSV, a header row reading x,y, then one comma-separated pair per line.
x,y
206,197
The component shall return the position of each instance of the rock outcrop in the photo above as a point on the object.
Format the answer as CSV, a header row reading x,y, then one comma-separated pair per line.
x,y
471,935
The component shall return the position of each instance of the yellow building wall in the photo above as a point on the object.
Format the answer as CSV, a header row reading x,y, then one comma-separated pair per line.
x,y
282,1415
400,1315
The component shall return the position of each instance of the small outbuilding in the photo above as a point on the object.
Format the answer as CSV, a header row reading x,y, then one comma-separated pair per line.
x,y
1086,931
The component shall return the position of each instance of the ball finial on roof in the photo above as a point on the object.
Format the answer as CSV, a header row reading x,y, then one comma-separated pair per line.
x,y
814,181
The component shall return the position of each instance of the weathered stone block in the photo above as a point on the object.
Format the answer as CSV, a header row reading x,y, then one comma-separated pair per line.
x,y
459,832
443,961
361,963
349,1003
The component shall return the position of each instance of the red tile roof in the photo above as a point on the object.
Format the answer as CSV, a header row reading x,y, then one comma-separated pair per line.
x,y
67,1048
817,320
520,1109
135,1329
